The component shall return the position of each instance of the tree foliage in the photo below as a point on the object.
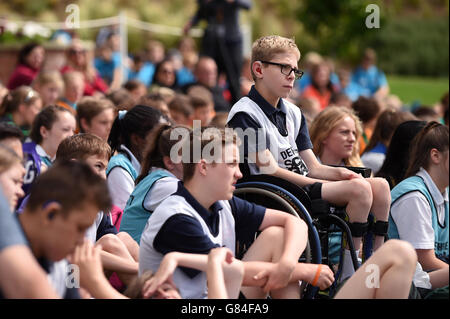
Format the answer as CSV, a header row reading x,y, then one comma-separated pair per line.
x,y
412,39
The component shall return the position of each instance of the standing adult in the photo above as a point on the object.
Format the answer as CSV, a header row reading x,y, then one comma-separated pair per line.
x,y
223,38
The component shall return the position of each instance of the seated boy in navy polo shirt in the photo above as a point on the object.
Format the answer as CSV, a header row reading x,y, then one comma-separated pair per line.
x,y
282,146
204,214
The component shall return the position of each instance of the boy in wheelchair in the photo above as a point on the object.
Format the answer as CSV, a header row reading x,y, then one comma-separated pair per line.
x,y
277,142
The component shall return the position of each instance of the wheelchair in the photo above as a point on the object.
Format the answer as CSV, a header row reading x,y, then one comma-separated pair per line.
x,y
321,218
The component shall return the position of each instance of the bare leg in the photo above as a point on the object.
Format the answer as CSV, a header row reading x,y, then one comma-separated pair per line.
x,y
131,244
269,247
116,257
356,195
381,204
387,274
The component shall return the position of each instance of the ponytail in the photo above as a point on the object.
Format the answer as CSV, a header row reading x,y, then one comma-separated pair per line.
x,y
138,121
114,140
159,145
433,136
152,155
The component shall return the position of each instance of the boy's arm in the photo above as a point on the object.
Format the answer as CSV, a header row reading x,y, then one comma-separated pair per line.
x,y
166,268
325,172
439,278
224,274
92,278
218,278
428,260
256,273
21,276
295,239
317,172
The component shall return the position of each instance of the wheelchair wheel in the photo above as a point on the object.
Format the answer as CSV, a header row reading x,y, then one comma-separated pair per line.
x,y
286,206
272,196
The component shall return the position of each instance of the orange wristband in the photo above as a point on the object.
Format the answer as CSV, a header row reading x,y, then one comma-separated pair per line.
x,y
316,277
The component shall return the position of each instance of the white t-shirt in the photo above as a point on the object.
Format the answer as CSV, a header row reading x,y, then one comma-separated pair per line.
x,y
373,160
160,190
416,226
120,183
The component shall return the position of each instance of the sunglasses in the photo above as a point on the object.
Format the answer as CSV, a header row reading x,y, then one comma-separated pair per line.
x,y
74,52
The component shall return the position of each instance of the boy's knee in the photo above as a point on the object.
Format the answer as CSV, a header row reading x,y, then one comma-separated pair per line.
x,y
124,237
109,241
382,188
361,189
404,252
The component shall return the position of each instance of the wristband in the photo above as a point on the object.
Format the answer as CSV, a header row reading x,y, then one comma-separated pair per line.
x,y
316,277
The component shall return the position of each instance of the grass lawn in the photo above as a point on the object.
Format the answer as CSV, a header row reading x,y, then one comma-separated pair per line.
x,y
423,90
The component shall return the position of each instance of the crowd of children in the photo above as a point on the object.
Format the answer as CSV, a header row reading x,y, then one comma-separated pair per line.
x,y
134,183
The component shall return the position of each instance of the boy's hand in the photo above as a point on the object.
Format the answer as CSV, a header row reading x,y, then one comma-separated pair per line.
x,y
148,290
277,277
87,258
322,278
347,174
265,161
164,273
220,254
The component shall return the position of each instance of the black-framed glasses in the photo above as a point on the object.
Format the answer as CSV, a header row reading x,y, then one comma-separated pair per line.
x,y
287,69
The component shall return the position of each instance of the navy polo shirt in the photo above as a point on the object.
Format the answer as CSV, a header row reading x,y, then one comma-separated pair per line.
x,y
184,233
276,115
105,227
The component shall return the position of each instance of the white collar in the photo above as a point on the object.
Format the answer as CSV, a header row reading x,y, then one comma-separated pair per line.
x,y
42,153
154,169
438,197
134,162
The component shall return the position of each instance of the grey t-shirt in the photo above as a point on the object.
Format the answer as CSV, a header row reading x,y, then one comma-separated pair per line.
x,y
10,232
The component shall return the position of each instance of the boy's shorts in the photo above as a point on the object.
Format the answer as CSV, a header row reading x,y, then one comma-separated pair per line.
x,y
314,191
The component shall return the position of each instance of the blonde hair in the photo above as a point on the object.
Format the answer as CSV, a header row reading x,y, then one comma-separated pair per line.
x,y
71,77
325,122
49,77
265,48
134,289
88,70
